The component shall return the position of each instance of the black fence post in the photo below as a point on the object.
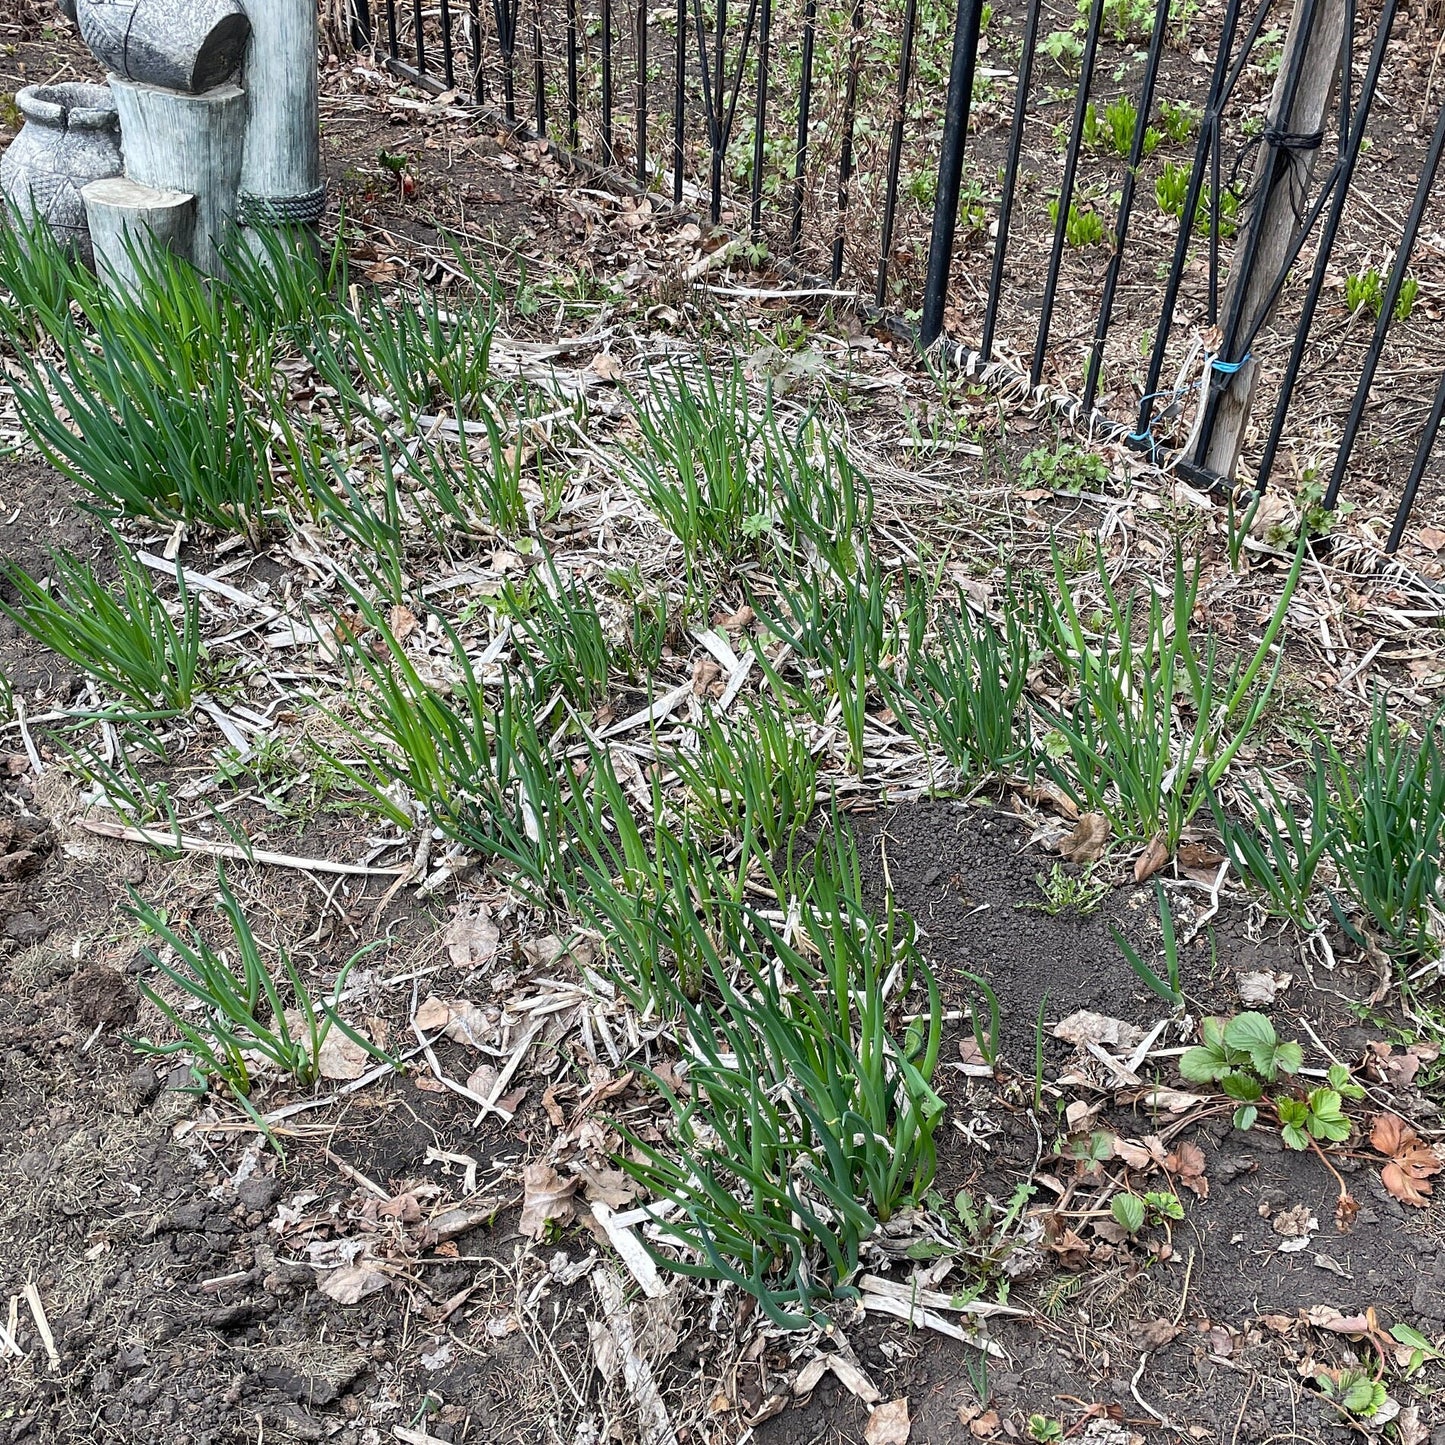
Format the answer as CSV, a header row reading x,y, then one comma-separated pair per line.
x,y
950,168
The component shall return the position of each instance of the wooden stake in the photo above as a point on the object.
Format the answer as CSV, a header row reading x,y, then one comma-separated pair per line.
x,y
1274,213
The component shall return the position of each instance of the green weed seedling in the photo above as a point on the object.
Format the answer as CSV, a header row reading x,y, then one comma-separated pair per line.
x,y
237,1017
1168,988
1114,128
1135,1212
128,642
560,637
1064,892
1084,227
1064,468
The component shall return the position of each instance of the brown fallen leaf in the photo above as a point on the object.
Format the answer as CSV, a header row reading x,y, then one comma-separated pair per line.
x,y
1431,538
1412,1161
546,1197
1199,862
985,1426
1083,1027
1087,842
1186,1163
1155,1334
555,1116
433,1013
1152,859
1146,1154
888,1424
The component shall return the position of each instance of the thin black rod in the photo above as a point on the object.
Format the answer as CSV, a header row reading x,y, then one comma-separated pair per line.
x,y
950,168
845,154
1126,204
1428,173
1417,469
1208,124
895,151
539,80
679,95
476,50
800,150
1066,191
505,12
572,107
420,39
391,48
608,157
760,117
641,132
1350,146
1216,216
718,143
1010,179
449,71
361,33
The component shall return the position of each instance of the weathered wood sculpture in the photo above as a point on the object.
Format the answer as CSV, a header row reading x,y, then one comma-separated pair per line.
x,y
215,105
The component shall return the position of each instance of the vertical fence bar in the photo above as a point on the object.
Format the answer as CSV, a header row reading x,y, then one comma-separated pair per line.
x,y
474,15
800,151
449,71
715,210
895,151
1126,204
505,14
1428,172
572,107
950,168
420,39
1010,178
1066,192
679,97
641,131
760,117
607,153
361,30
1417,469
1208,123
1350,145
391,46
845,154
539,77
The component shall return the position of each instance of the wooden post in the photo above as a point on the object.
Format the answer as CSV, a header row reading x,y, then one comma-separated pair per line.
x,y
126,218
189,143
1314,54
281,179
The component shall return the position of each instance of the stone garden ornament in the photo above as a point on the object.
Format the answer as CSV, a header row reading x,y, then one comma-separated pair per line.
x,y
209,118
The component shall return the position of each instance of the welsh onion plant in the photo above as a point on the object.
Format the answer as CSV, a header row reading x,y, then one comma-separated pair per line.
x,y
142,443
367,511
479,479
753,779
39,278
1157,722
1168,987
963,693
281,278
1273,851
823,502
560,636
127,639
404,356
484,776
806,1122
119,779
1386,814
233,1018
695,466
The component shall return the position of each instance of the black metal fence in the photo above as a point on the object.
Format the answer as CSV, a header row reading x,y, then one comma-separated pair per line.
x,y
1079,198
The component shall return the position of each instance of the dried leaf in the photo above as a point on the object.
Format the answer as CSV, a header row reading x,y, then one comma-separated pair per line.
x,y
1152,859
607,366
555,1116
1083,1028
351,1284
888,1424
1087,842
1199,862
985,1426
338,1057
1412,1162
472,938
1186,1163
433,1013
546,1197
1259,990
611,1186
